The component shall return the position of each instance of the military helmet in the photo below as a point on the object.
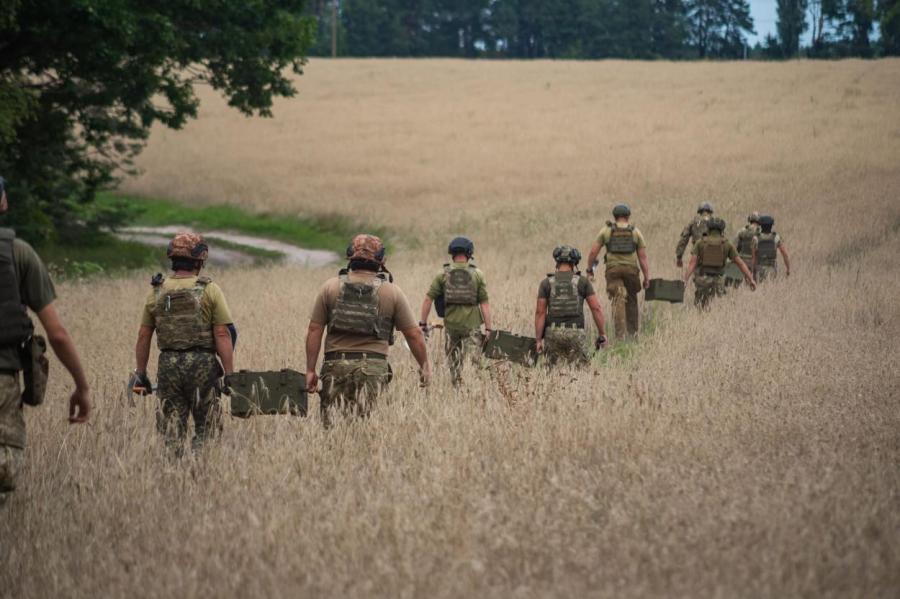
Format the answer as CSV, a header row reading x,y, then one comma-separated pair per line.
x,y
705,207
715,224
567,253
366,247
766,220
621,210
753,218
188,245
461,245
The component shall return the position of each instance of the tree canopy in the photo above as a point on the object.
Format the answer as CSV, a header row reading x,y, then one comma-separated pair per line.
x,y
82,82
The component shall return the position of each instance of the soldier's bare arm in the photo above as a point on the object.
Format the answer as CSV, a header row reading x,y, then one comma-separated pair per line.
x,y
224,348
692,266
142,348
416,341
592,259
540,319
314,334
753,261
645,265
426,310
748,276
486,316
597,314
787,259
64,348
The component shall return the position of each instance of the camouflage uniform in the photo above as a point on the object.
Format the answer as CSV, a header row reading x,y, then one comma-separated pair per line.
x,y
183,310
352,383
12,434
712,252
566,345
693,232
360,308
767,267
462,346
187,388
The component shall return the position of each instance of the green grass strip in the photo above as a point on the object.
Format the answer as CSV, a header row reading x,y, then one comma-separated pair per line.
x,y
332,233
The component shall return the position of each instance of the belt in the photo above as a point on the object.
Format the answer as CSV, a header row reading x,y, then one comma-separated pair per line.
x,y
204,350
354,355
9,371
565,325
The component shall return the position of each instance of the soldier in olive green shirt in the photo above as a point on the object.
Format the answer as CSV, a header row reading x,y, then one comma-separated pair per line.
x,y
23,275
462,288
626,256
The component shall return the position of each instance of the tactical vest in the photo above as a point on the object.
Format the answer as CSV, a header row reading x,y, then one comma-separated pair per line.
x,y
621,240
178,314
15,326
356,310
766,249
460,286
745,241
712,255
564,304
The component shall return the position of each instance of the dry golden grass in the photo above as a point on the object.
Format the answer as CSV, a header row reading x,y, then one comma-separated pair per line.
x,y
752,450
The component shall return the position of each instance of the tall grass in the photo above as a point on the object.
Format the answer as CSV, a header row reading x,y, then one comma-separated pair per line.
x,y
750,450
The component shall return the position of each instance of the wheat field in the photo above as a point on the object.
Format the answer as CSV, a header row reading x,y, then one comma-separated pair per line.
x,y
753,450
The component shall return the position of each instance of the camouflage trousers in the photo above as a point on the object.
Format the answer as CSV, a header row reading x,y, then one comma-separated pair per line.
x,y
623,283
12,434
706,287
351,385
567,345
462,347
187,388
766,272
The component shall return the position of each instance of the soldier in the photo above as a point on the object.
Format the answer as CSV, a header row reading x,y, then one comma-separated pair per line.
x,y
694,231
708,258
24,282
559,315
464,292
625,249
765,248
744,241
361,307
191,319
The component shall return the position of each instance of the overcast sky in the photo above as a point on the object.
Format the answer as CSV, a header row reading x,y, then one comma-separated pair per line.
x,y
763,18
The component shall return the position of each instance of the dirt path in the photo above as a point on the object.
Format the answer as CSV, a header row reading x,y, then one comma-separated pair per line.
x,y
160,236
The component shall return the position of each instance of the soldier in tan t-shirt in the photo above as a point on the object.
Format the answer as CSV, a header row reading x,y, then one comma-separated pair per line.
x,y
360,308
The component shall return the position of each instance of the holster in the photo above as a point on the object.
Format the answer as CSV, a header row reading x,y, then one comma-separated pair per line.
x,y
35,370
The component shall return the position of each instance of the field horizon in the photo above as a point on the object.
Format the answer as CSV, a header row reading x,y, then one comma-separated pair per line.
x,y
750,450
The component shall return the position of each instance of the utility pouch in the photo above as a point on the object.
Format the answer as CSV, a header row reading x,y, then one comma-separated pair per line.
x,y
35,370
732,274
440,306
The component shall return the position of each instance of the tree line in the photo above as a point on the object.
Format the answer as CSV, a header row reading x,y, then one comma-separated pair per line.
x,y
596,29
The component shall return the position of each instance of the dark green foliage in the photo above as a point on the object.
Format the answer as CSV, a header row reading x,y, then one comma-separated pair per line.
x,y
889,14
791,25
82,82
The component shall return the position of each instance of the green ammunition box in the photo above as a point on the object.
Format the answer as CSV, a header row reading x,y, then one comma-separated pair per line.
x,y
503,345
665,291
268,392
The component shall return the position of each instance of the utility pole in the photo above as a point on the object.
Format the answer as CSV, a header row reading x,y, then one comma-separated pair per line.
x,y
334,13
